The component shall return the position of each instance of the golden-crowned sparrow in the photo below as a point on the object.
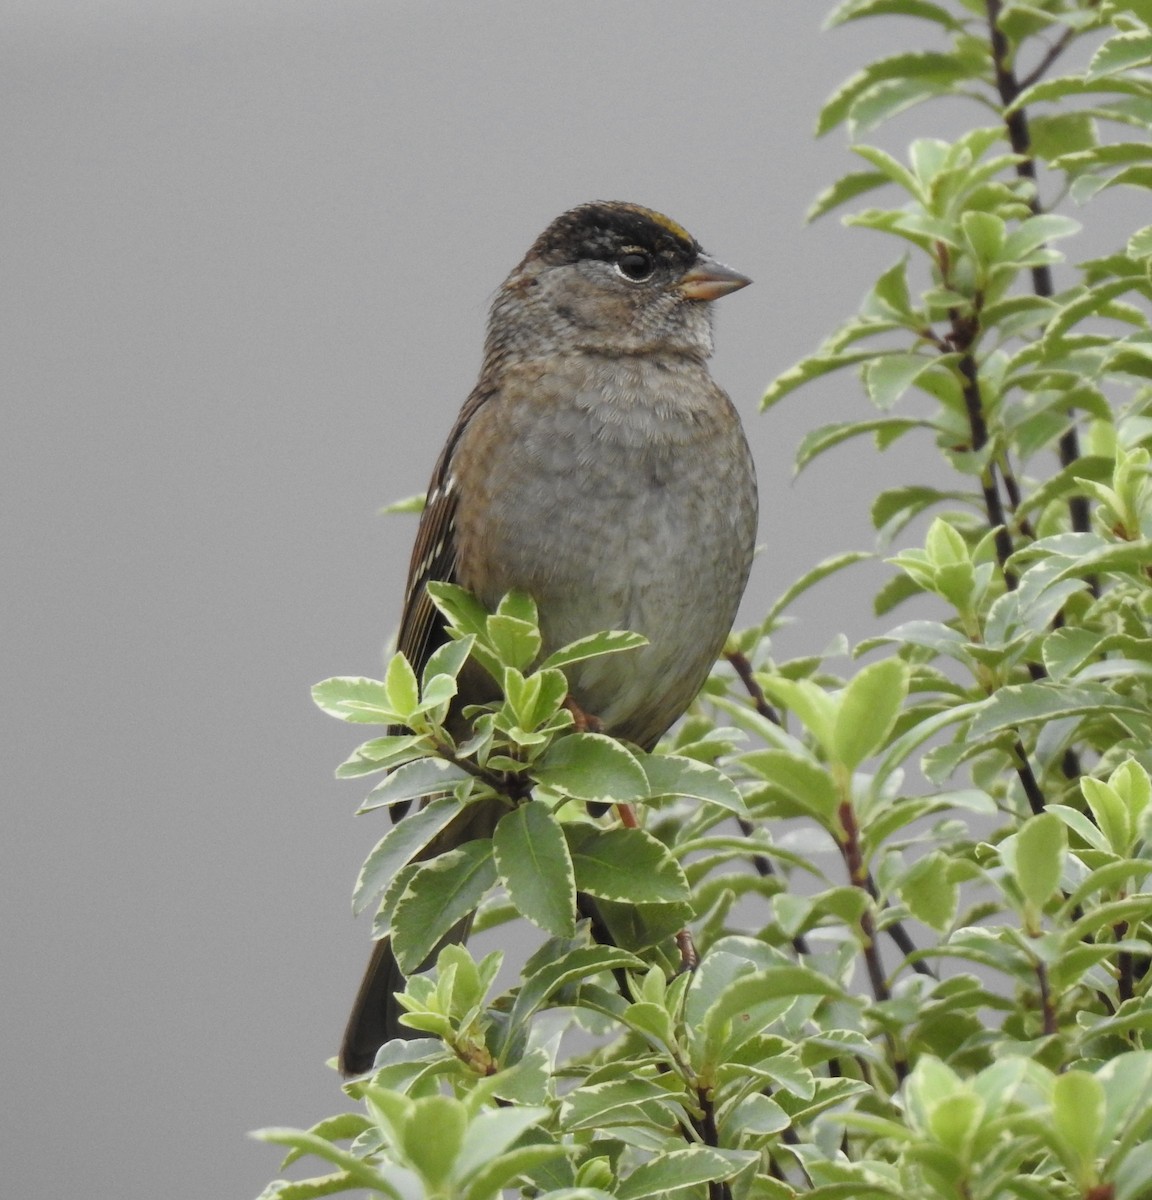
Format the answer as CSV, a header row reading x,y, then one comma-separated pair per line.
x,y
597,467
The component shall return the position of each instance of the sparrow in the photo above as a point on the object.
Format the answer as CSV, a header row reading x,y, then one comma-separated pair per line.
x,y
597,467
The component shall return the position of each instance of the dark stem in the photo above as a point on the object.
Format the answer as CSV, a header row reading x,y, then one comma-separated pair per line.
x,y
1051,1026
1016,122
1125,966
852,853
1012,487
586,907
1050,56
764,869
858,876
1125,989
705,1126
505,783
743,669
903,940
963,335
1027,778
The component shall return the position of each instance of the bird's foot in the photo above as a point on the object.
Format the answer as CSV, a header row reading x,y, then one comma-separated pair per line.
x,y
583,722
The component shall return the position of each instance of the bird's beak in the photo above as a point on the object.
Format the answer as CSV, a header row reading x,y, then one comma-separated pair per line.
x,y
709,280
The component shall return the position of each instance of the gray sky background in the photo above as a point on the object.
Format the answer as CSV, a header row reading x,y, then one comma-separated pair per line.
x,y
247,253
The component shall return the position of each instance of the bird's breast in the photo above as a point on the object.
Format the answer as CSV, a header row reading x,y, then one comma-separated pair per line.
x,y
619,499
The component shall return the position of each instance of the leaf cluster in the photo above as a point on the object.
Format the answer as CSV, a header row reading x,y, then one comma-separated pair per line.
x,y
871,923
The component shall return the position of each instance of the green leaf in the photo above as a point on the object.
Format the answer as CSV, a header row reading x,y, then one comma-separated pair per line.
x,y
1021,704
672,775
893,509
399,846
491,1132
432,1137
515,640
439,895
500,1173
852,10
1140,243
1040,850
633,1101
407,504
815,575
894,592
596,644
678,1169
808,369
463,611
348,698
1037,231
343,1127
751,1002
378,754
594,768
626,865
954,1120
413,781
929,892
1121,53
1110,813
1060,133
846,188
811,703
867,711
808,783
890,97
895,170
581,964
651,1020
886,431
985,234
1127,1081
308,1143
527,1081
940,70
533,863
448,659
402,688
1077,1119
931,635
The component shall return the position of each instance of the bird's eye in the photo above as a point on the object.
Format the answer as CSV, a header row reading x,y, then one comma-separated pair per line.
x,y
635,266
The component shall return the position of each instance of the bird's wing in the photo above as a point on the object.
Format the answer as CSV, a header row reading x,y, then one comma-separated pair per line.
x,y
434,553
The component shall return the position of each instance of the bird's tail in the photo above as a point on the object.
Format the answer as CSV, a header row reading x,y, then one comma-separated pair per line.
x,y
375,1017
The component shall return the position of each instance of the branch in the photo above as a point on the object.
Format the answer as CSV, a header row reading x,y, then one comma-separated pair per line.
x,y
858,877
1050,56
1016,123
764,869
743,669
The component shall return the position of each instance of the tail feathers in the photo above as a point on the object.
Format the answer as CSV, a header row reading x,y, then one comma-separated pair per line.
x,y
376,1013
375,1017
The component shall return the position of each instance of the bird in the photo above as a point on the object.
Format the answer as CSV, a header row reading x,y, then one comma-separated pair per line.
x,y
597,467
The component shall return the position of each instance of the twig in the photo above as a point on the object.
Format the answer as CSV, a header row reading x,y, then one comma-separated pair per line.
x,y
1027,778
1019,137
705,1126
899,935
858,877
1050,56
963,339
764,869
850,850
1051,1025
743,669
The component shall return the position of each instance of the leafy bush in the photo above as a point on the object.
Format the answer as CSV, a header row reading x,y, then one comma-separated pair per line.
x,y
918,894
